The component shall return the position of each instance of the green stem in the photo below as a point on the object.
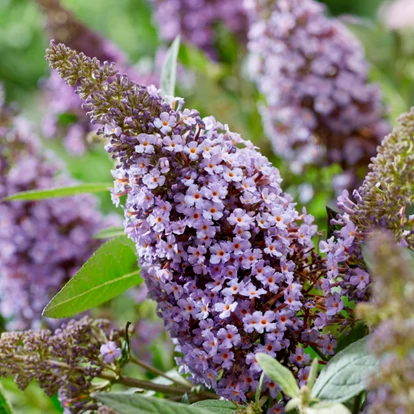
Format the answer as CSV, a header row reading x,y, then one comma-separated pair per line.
x,y
165,389
131,382
318,352
158,372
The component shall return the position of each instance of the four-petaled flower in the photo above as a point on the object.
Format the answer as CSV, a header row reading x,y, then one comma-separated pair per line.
x,y
110,351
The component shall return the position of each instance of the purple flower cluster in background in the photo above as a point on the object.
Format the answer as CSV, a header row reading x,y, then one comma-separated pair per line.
x,y
42,244
195,20
320,108
382,201
223,250
65,117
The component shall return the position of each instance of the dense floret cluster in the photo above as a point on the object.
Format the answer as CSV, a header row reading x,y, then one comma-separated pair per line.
x,y
196,20
65,117
320,108
391,309
382,201
42,244
222,248
63,362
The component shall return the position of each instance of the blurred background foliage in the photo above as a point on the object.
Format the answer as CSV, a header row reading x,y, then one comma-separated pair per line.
x,y
219,89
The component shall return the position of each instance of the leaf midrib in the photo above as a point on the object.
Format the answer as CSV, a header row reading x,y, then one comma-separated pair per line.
x,y
102,285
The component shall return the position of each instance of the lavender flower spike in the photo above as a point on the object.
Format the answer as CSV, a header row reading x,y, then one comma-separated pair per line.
x,y
320,107
42,244
391,309
196,20
64,117
223,250
382,201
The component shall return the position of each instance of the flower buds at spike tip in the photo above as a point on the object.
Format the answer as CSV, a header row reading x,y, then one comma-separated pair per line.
x,y
65,361
64,117
222,248
391,308
42,244
320,107
381,202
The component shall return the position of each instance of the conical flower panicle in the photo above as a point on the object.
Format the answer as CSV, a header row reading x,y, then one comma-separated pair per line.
x,y
42,244
222,248
320,107
197,21
64,117
387,193
382,201
390,308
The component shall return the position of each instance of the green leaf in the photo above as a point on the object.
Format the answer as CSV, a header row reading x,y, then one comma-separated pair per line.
x,y
169,69
197,61
278,373
292,404
111,270
359,331
344,375
136,404
259,390
325,407
313,373
59,192
216,406
4,405
109,233
67,118
331,213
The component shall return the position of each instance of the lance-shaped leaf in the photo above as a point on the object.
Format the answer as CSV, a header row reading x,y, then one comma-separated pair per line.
x,y
169,69
57,192
111,270
327,408
345,374
217,406
278,373
124,403
109,233
5,407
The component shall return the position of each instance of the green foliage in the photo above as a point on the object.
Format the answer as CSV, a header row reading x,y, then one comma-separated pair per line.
x,y
111,270
365,7
169,69
32,401
59,192
359,331
136,404
327,408
313,373
67,118
4,405
278,373
344,375
196,60
331,214
109,233
216,406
